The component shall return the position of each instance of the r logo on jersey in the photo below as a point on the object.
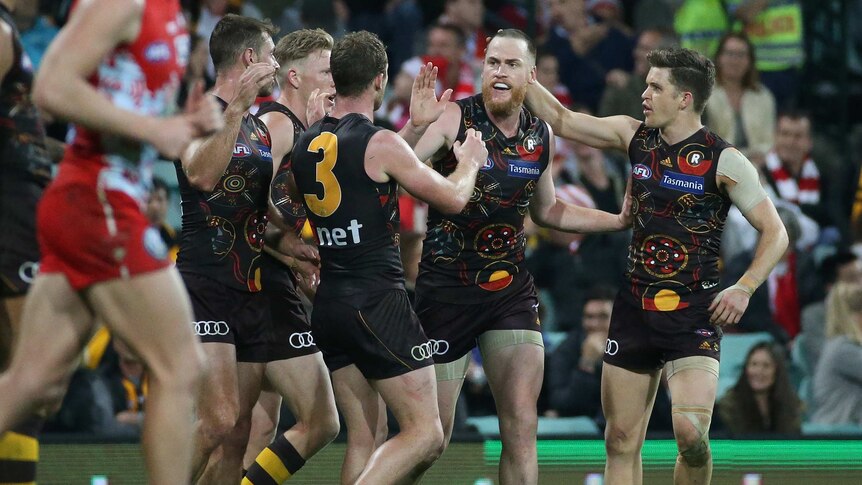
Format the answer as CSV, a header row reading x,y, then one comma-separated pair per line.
x,y
489,164
641,172
693,163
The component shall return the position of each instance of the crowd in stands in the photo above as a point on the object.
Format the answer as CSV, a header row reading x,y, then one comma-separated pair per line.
x,y
592,56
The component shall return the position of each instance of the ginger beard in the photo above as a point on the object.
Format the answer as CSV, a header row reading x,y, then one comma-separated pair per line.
x,y
503,108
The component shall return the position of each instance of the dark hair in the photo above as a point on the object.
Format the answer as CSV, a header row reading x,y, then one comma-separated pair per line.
x,y
830,265
460,38
357,58
516,34
299,44
600,292
794,114
784,404
159,183
751,78
689,71
235,33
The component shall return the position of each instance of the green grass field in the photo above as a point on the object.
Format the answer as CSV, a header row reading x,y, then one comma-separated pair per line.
x,y
804,462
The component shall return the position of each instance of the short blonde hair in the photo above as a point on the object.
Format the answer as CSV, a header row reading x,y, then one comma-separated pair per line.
x,y
300,44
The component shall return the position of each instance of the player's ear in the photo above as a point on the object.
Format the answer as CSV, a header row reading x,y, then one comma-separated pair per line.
x,y
248,57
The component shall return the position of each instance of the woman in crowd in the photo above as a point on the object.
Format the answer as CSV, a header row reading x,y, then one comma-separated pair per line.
x,y
763,399
837,389
741,110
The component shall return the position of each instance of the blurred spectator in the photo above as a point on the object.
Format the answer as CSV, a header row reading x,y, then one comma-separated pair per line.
x,y
396,22
157,212
700,24
609,12
841,267
763,399
838,378
126,379
741,110
548,74
653,15
574,368
776,306
775,29
856,214
794,176
329,15
468,15
37,24
446,49
587,50
623,92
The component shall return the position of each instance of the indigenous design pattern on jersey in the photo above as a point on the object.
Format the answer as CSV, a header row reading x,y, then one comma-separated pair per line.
x,y
143,76
481,250
22,135
222,235
292,212
679,215
355,220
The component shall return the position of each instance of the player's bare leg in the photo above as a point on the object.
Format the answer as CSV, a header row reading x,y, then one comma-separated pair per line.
x,y
152,314
365,417
59,324
264,422
304,383
450,380
226,469
627,401
10,319
515,376
404,457
217,406
692,398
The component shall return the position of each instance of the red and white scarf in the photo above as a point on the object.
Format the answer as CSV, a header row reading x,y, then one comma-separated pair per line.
x,y
804,190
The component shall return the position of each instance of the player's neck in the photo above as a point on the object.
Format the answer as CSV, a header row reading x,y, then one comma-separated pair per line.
x,y
294,102
681,128
507,124
227,84
363,105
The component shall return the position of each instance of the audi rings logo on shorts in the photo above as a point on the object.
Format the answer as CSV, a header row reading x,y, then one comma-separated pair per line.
x,y
612,347
210,328
429,349
301,340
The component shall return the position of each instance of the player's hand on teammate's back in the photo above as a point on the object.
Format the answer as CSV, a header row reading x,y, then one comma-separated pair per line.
x,y
728,306
203,111
425,107
252,80
473,150
320,103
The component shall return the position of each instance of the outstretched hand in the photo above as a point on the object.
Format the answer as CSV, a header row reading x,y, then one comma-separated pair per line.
x,y
425,107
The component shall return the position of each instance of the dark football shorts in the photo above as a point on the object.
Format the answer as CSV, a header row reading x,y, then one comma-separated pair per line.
x,y
230,316
455,328
377,331
288,329
643,339
19,251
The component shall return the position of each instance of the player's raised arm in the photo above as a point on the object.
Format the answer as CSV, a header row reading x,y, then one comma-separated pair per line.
x,y
389,156
610,132
548,210
425,106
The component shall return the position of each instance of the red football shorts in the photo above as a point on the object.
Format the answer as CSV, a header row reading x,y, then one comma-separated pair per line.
x,y
91,229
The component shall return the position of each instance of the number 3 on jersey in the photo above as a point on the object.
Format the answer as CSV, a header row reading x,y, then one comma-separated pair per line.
x,y
326,206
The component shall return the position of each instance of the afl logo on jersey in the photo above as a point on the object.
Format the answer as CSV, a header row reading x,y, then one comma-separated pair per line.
x,y
241,151
641,172
158,51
